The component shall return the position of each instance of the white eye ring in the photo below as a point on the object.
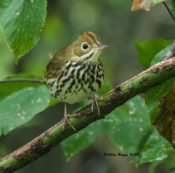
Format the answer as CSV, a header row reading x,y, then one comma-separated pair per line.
x,y
84,46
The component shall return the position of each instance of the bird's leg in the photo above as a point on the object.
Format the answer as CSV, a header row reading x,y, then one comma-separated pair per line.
x,y
66,118
95,101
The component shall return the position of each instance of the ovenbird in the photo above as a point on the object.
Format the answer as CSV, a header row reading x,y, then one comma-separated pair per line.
x,y
75,72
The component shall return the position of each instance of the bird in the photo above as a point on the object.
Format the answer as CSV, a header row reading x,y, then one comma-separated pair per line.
x,y
75,72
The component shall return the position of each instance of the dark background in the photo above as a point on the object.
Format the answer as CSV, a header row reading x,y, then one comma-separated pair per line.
x,y
118,27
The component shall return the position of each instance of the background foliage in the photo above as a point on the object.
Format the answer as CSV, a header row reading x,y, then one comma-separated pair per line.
x,y
129,128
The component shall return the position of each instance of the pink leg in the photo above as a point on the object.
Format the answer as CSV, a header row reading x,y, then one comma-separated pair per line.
x,y
66,118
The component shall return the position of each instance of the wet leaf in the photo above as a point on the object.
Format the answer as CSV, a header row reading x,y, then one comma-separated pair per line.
x,y
22,21
129,128
21,106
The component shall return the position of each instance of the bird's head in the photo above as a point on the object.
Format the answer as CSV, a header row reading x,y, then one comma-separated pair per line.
x,y
87,47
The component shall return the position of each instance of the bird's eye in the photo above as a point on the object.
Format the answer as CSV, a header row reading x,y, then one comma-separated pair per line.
x,y
84,46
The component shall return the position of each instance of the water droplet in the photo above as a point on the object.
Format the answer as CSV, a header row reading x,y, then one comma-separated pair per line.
x,y
131,103
143,105
140,119
20,116
156,137
140,129
77,135
23,112
39,100
131,112
90,132
121,148
18,106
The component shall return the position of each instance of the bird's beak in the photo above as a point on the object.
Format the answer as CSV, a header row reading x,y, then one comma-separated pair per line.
x,y
101,47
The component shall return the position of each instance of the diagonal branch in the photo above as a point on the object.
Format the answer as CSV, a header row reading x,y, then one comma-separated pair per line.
x,y
119,95
169,11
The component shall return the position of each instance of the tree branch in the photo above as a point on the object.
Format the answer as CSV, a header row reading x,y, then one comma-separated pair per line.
x,y
119,95
23,80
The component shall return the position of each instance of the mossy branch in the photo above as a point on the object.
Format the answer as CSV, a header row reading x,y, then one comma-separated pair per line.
x,y
116,97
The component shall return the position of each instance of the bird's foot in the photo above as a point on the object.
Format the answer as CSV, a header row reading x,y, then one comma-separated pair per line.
x,y
66,120
95,102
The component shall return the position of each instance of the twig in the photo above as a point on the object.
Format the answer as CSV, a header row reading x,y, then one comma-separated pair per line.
x,y
23,80
169,11
56,134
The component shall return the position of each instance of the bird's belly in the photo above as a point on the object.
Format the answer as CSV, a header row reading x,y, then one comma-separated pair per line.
x,y
79,83
76,94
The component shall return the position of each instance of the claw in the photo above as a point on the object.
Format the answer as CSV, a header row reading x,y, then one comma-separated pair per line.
x,y
95,101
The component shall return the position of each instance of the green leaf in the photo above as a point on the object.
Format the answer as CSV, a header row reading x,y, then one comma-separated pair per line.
x,y
22,106
135,132
129,128
22,22
148,49
155,148
79,141
160,56
8,88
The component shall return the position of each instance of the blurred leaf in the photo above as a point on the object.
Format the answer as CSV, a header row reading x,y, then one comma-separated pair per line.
x,y
144,4
173,11
107,86
128,127
155,94
8,88
153,97
153,166
165,124
22,21
173,3
148,49
22,106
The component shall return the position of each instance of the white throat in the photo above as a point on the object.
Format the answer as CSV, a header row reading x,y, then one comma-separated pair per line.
x,y
92,56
